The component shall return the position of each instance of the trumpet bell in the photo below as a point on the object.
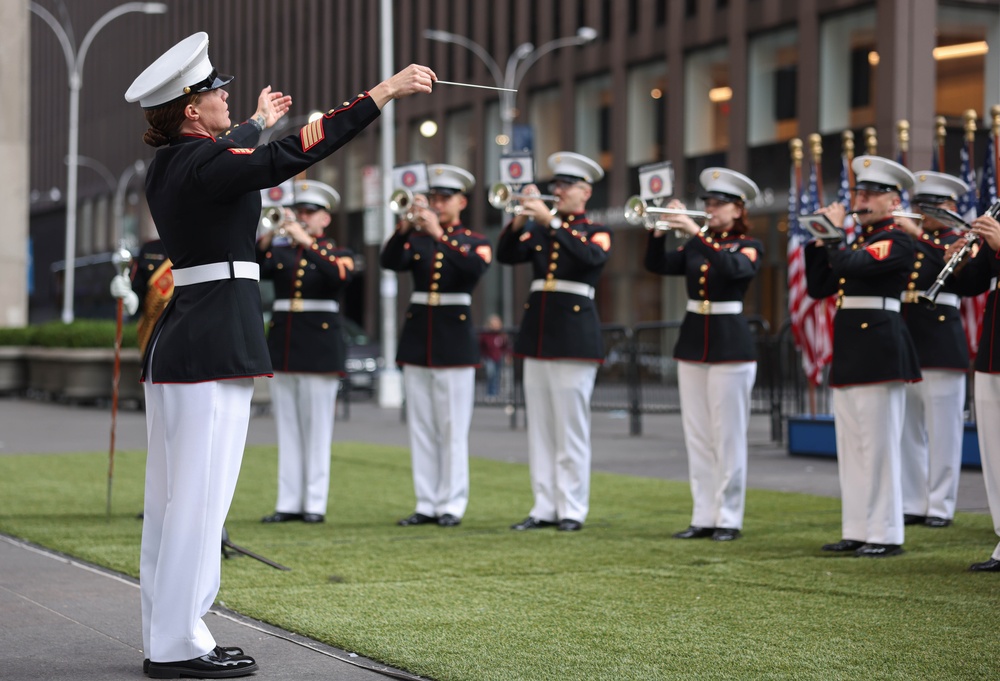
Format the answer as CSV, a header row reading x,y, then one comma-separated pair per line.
x,y
636,211
400,201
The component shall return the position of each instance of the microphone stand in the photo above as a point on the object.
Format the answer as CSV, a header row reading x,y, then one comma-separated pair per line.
x,y
228,546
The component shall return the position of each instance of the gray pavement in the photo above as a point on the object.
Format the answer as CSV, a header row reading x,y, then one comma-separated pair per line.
x,y
90,616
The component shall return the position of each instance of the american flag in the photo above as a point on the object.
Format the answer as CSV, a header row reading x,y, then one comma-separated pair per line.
x,y
812,320
988,183
972,308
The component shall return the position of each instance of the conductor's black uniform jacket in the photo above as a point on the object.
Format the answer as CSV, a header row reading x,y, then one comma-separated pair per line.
x,y
204,196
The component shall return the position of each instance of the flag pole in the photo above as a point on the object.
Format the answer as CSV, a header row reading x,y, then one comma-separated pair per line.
x,y
903,136
795,147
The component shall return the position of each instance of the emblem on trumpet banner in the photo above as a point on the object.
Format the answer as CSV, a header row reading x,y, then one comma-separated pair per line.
x,y
411,176
656,180
517,169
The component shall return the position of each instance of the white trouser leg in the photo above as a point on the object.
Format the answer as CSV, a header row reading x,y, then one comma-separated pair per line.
x,y
715,410
945,400
454,395
572,386
914,454
318,406
870,419
291,467
540,410
197,433
425,441
988,426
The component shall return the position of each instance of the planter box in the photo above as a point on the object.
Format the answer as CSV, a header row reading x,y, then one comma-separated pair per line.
x,y
815,436
13,369
82,374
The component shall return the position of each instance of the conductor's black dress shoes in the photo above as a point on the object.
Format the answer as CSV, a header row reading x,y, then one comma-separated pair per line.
x,y
231,651
215,664
991,565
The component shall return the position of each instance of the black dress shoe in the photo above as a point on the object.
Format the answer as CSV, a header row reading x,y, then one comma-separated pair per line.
x,y
312,517
449,520
844,545
281,517
211,665
567,525
417,519
231,651
695,532
933,521
530,523
878,550
725,534
911,519
991,565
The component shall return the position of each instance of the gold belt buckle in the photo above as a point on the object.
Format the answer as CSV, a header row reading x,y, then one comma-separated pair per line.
x,y
433,298
550,285
296,305
910,297
706,306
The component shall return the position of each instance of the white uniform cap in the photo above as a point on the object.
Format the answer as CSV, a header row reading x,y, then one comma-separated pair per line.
x,y
727,185
182,70
933,187
573,167
313,193
446,179
874,173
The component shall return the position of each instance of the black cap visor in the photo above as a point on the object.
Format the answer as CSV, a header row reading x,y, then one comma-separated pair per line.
x,y
721,196
569,179
444,191
875,187
931,199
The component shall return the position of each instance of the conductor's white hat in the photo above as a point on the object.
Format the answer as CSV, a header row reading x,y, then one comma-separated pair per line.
x,y
182,70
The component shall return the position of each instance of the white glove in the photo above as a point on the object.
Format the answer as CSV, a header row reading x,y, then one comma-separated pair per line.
x,y
121,287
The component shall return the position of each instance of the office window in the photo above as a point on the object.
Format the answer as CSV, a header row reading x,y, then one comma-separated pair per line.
x,y
646,111
458,143
967,61
773,70
546,120
707,93
845,94
421,148
352,195
593,119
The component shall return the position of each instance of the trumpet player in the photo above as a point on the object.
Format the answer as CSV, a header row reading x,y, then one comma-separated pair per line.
x,y
933,420
981,274
560,337
717,362
306,343
438,347
873,356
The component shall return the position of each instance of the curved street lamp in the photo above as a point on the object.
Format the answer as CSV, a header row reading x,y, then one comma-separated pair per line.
x,y
74,65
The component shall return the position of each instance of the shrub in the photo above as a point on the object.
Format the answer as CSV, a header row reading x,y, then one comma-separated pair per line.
x,y
82,333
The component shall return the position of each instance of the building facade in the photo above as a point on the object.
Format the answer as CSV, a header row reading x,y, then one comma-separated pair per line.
x,y
694,82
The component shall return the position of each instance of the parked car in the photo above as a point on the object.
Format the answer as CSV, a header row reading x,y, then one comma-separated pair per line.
x,y
364,357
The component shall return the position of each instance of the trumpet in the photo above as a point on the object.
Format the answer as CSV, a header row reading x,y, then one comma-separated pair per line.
x,y
271,219
971,239
403,203
502,195
638,212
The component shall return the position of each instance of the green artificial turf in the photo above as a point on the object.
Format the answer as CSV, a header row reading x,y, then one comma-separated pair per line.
x,y
619,600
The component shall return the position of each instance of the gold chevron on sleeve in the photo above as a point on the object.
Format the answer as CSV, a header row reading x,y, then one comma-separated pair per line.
x,y
312,134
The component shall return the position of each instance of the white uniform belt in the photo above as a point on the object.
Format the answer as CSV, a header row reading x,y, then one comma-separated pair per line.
x,y
562,286
942,298
304,305
993,283
433,298
715,307
216,271
869,303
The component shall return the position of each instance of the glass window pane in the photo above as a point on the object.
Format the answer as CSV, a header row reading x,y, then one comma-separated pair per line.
x,y
492,151
967,61
647,112
773,69
706,101
845,96
546,123
421,148
458,143
593,119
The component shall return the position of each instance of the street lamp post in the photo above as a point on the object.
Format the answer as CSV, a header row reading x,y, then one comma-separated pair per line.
x,y
518,63
74,66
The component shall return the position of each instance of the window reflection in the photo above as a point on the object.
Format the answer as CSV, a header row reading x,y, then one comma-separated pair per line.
x,y
593,119
647,112
707,93
773,69
967,60
846,94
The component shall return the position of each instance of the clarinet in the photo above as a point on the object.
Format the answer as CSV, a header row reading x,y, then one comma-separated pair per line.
x,y
971,239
